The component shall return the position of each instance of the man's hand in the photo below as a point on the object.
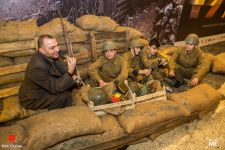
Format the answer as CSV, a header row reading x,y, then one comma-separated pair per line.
x,y
102,83
163,62
145,72
171,74
194,82
71,62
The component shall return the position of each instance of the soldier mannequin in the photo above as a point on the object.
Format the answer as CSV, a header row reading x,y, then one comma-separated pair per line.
x,y
135,70
108,68
187,62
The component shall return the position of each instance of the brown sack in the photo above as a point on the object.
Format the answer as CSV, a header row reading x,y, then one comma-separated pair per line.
x,y
132,33
11,109
18,31
198,98
147,114
112,131
218,64
19,53
88,22
222,89
52,127
106,24
5,61
55,28
144,41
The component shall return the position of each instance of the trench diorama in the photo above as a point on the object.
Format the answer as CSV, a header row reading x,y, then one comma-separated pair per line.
x,y
86,125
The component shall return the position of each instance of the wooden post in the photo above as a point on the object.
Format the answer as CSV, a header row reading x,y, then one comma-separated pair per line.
x,y
36,42
126,40
93,46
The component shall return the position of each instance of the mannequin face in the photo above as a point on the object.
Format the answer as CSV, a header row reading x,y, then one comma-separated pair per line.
x,y
110,54
189,47
152,49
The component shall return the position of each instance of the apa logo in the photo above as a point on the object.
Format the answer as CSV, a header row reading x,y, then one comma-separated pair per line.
x,y
11,137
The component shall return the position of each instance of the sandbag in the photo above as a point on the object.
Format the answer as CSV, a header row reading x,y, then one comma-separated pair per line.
x,y
222,89
21,60
5,61
199,98
18,31
52,127
144,41
88,22
19,53
11,109
132,33
112,130
106,24
147,114
55,28
218,64
12,78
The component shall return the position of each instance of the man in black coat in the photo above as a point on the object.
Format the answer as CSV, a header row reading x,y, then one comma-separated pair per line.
x,y
47,80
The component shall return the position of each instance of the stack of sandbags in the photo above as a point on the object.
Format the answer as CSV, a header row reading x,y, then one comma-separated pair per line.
x,y
96,23
14,31
11,109
132,33
147,114
218,64
199,98
49,128
112,132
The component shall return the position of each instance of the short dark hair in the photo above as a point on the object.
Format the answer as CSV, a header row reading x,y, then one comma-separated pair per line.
x,y
41,39
154,42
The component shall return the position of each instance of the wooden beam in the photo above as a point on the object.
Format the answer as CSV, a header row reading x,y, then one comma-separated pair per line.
x,y
93,46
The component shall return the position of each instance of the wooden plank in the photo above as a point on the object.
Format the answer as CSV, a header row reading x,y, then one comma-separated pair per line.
x,y
9,92
93,46
12,69
146,98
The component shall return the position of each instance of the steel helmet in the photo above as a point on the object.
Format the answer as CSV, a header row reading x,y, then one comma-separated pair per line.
x,y
98,96
192,39
136,43
108,45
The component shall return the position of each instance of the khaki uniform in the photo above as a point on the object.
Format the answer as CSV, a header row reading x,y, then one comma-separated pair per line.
x,y
134,65
148,61
188,65
108,70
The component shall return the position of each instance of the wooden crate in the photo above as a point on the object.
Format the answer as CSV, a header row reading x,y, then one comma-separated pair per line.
x,y
129,104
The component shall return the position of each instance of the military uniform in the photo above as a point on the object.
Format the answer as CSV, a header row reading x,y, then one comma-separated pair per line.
x,y
188,65
108,70
151,62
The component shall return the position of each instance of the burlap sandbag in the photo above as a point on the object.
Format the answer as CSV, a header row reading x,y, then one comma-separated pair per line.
x,y
222,89
14,134
218,64
144,41
5,61
21,60
147,114
18,31
88,22
199,98
11,109
52,127
132,33
19,53
112,130
55,28
106,24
